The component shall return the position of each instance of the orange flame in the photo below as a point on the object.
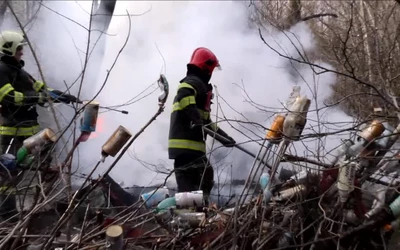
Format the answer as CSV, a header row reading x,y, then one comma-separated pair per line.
x,y
99,127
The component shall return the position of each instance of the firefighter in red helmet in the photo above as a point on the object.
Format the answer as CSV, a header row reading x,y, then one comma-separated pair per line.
x,y
191,111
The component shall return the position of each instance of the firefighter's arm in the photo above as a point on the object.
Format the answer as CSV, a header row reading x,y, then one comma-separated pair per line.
x,y
9,95
186,101
55,95
229,142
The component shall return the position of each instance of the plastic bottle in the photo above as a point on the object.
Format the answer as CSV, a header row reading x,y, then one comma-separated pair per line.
x,y
383,142
357,148
341,151
346,178
374,130
8,161
298,178
193,219
166,204
39,139
153,197
378,203
390,165
395,207
264,179
290,193
190,199
296,119
22,153
274,134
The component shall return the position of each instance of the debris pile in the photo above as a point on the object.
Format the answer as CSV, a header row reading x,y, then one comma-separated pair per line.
x,y
352,202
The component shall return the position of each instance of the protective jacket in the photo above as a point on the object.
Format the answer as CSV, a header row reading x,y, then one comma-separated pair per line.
x,y
191,106
19,93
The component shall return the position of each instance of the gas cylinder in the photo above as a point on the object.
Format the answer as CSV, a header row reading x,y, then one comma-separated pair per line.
x,y
89,119
274,134
374,130
296,119
115,142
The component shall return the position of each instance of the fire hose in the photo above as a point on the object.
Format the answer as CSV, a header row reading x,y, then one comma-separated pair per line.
x,y
223,139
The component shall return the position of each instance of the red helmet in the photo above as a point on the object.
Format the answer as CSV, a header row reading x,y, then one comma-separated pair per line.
x,y
205,59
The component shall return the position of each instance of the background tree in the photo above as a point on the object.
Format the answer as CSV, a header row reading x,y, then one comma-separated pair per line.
x,y
360,39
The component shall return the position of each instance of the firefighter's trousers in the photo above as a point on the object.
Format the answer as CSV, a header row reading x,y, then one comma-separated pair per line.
x,y
189,171
8,206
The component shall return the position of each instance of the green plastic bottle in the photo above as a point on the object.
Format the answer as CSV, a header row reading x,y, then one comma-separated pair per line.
x,y
22,153
165,204
23,157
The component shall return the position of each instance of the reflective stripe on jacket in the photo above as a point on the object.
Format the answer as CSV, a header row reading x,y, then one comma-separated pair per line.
x,y
17,90
188,106
21,131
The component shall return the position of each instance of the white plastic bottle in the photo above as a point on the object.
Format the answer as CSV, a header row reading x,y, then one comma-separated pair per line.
x,y
296,118
345,183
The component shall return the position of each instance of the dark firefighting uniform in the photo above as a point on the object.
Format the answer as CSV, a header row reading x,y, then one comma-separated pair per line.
x,y
191,106
19,94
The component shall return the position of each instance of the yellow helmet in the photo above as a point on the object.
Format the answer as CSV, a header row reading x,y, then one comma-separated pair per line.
x,y
10,41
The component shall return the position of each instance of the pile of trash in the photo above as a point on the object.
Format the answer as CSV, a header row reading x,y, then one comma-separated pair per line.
x,y
352,202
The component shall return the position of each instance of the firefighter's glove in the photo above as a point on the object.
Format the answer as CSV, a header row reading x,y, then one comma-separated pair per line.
x,y
33,97
58,96
229,142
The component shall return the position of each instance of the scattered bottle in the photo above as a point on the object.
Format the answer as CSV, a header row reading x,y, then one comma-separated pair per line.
x,y
190,199
341,151
264,179
165,205
346,178
274,134
296,119
155,196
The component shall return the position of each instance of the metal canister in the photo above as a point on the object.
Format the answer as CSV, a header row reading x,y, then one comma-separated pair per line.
x,y
296,191
274,134
39,139
115,142
374,130
89,119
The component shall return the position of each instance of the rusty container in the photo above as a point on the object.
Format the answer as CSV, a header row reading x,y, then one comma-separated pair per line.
x,y
274,134
115,142
374,130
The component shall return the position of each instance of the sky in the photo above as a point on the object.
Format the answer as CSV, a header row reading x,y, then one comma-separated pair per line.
x,y
162,40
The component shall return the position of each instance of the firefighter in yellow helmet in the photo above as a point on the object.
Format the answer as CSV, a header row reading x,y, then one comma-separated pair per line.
x,y
19,94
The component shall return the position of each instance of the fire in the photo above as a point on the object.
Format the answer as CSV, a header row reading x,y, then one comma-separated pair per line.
x,y
99,127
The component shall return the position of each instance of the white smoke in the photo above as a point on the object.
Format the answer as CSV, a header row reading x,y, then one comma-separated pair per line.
x,y
161,41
